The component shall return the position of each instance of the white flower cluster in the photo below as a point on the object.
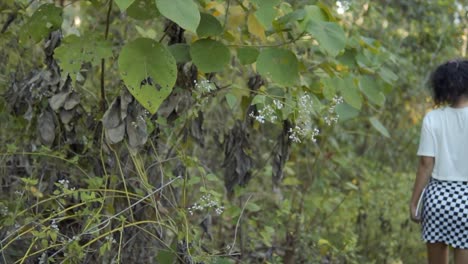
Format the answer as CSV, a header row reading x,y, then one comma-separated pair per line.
x,y
43,258
333,117
111,239
296,133
3,210
141,118
205,203
54,225
278,104
74,238
204,86
304,128
65,183
268,112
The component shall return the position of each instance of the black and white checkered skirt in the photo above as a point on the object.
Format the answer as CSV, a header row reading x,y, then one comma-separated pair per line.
x,y
445,213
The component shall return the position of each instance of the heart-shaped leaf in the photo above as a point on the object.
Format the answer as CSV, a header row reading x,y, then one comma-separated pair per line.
x,y
149,70
209,55
329,35
280,65
47,18
183,12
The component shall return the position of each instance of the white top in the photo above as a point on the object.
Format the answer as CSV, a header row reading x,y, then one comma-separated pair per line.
x,y
444,135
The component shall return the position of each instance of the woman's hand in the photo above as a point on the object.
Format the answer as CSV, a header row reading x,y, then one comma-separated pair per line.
x,y
413,216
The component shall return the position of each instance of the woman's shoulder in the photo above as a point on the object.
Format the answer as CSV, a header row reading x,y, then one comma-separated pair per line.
x,y
434,113
434,116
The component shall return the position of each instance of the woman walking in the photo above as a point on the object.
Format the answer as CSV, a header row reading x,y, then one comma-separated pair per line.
x,y
443,166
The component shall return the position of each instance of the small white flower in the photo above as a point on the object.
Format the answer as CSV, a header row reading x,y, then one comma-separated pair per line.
x,y
54,225
278,104
205,86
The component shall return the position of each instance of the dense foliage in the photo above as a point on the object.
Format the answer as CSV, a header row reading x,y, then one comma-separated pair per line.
x,y
195,131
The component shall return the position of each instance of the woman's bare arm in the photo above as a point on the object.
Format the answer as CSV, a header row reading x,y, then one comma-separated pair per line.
x,y
426,165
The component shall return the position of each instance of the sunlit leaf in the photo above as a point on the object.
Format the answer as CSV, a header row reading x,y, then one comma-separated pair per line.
x,y
149,71
255,28
210,55
280,65
124,4
183,12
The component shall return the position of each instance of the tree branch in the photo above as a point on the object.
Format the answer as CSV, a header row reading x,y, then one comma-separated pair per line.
x,y
103,61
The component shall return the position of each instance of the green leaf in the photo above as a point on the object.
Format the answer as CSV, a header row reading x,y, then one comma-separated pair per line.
x,y
210,55
326,10
146,32
387,75
252,207
142,10
267,234
291,17
261,3
368,86
330,85
350,93
145,59
330,36
29,181
123,4
46,19
266,11
231,100
280,65
247,55
351,186
266,15
209,26
258,99
377,125
74,51
220,260
211,177
181,52
193,180
183,12
290,181
312,13
346,112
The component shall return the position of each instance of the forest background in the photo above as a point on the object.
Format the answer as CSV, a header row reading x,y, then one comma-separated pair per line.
x,y
196,131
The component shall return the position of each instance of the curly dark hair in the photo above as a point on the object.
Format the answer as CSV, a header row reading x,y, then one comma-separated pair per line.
x,y
450,81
